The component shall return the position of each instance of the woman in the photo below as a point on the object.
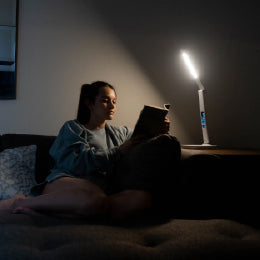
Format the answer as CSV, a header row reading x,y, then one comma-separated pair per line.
x,y
86,154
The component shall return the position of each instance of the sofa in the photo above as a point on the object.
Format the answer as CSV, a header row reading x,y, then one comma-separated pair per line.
x,y
212,213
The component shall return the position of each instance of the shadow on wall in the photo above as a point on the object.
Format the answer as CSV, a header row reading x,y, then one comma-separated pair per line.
x,y
155,32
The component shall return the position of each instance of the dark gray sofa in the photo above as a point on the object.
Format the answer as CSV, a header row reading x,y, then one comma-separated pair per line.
x,y
212,214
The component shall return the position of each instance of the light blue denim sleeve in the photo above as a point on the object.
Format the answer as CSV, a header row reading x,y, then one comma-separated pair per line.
x,y
73,154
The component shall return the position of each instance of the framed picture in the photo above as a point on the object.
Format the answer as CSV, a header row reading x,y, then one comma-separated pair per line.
x,y
8,48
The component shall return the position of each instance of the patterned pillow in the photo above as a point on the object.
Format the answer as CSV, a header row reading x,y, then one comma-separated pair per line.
x,y
17,169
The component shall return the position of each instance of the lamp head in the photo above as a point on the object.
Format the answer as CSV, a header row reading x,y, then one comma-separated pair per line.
x,y
189,64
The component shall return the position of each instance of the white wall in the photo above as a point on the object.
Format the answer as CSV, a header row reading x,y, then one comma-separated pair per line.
x,y
134,45
61,45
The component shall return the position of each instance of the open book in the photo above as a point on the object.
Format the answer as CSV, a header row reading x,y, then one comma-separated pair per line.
x,y
150,121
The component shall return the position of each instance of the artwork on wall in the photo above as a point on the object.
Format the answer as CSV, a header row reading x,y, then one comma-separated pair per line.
x,y
8,48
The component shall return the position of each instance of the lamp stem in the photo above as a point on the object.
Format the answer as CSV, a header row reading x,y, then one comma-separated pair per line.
x,y
203,116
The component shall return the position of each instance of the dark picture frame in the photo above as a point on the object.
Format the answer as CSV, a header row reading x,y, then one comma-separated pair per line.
x,y
8,48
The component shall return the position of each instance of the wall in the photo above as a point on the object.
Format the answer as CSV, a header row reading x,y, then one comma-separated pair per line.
x,y
63,44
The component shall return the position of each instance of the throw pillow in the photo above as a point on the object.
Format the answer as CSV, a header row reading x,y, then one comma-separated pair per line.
x,y
17,169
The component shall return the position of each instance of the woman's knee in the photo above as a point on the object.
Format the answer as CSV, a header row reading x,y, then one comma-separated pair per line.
x,y
92,204
140,200
168,141
129,203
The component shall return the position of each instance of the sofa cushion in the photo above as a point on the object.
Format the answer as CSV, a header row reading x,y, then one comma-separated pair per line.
x,y
43,143
17,167
25,237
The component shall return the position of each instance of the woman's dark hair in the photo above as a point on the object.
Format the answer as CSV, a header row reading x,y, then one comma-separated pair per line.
x,y
90,92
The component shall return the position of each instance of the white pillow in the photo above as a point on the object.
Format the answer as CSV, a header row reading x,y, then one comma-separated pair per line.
x,y
17,171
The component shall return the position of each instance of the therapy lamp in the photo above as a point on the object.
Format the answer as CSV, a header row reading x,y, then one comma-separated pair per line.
x,y
201,90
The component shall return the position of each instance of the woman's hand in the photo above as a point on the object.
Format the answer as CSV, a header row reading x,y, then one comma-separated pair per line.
x,y
166,126
129,144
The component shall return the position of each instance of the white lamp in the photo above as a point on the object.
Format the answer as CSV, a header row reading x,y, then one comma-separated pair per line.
x,y
201,90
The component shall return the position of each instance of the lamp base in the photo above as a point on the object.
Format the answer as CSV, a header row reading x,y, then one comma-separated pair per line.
x,y
199,146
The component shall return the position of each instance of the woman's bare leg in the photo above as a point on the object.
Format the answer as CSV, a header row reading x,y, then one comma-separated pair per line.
x,y
81,198
64,195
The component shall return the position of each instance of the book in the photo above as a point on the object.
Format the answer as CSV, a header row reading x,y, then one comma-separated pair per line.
x,y
150,121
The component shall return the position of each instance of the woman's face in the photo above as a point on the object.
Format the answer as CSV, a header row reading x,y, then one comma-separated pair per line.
x,y
104,106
